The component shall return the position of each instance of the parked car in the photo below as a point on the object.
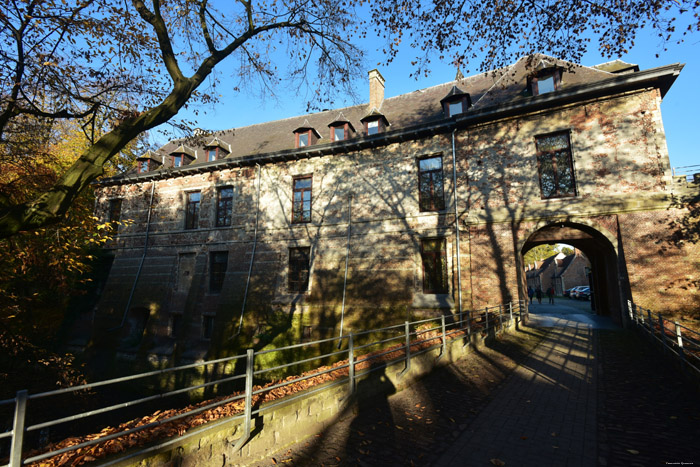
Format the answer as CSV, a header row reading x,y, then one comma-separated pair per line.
x,y
584,294
567,292
575,290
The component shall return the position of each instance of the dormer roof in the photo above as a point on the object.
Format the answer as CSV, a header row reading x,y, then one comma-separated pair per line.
x,y
374,114
454,94
150,155
341,120
217,143
186,150
306,126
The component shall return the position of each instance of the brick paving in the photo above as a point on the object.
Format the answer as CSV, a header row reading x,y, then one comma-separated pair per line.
x,y
587,395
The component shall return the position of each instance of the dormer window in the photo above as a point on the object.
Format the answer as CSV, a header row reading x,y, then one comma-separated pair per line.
x,y
374,123
143,166
455,102
305,135
216,149
373,127
341,128
177,160
183,155
545,81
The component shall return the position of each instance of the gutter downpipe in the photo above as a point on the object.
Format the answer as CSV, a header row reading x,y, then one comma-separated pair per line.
x,y
252,257
143,257
454,192
345,279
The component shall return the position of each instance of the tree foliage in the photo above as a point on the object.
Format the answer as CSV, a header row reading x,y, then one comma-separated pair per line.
x,y
124,67
539,253
487,35
136,65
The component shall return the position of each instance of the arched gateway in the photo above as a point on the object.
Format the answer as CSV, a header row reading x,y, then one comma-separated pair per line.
x,y
607,275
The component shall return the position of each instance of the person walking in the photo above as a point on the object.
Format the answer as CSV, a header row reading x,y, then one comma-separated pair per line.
x,y
550,294
530,293
538,294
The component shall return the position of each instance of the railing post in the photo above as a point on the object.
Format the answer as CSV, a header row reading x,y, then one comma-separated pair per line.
x,y
408,350
629,309
351,365
486,313
500,315
662,329
248,411
650,323
443,349
18,428
510,313
679,338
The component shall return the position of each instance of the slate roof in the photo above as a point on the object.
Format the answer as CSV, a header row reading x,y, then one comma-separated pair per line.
x,y
492,93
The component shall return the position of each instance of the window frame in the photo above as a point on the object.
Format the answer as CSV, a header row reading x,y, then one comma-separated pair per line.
x,y
379,126
192,209
436,257
440,205
144,166
551,153
555,73
175,323
343,127
209,154
227,208
298,277
178,157
210,328
303,219
217,271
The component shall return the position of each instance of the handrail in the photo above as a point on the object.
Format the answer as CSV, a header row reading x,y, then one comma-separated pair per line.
x,y
409,333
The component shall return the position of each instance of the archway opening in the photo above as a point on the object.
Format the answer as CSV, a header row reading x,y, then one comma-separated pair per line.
x,y
598,250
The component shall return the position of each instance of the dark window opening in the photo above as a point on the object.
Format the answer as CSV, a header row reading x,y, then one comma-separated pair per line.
x,y
224,206
192,210
301,200
434,260
134,327
217,270
554,165
175,325
115,210
298,277
431,184
207,326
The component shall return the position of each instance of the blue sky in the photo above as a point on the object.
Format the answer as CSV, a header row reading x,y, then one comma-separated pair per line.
x,y
679,108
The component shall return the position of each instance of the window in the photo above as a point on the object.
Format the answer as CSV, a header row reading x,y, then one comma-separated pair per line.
x,y
211,155
175,324
434,265
115,210
430,184
298,277
143,166
177,160
217,270
545,81
338,133
192,210
455,108
554,165
207,326
301,202
224,206
373,127
303,139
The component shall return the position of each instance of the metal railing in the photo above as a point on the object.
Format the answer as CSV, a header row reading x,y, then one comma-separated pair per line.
x,y
677,340
687,171
363,352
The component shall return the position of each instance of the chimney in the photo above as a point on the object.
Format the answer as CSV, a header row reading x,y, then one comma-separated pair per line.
x,y
376,89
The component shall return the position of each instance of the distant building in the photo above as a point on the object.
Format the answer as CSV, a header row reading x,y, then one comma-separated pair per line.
x,y
561,271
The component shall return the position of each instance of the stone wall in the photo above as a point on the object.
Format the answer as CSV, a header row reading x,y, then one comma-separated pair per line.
x,y
621,170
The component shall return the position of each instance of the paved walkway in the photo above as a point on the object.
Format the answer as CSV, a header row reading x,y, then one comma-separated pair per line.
x,y
545,414
589,394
